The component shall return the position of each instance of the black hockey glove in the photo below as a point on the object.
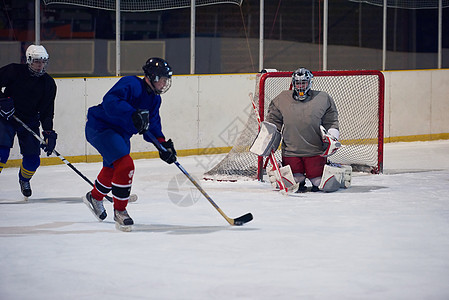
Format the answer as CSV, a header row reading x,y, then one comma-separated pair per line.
x,y
168,156
141,120
50,137
7,108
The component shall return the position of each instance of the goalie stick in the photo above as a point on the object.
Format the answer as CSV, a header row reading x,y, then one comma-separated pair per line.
x,y
284,190
132,198
234,222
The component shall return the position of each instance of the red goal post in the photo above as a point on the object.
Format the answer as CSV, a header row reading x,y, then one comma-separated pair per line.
x,y
359,76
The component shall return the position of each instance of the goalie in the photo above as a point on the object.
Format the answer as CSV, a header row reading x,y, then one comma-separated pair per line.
x,y
308,120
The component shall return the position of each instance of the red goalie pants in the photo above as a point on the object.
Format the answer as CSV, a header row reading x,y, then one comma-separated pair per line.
x,y
117,179
311,167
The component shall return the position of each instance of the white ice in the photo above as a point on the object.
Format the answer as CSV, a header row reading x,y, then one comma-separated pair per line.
x,y
387,237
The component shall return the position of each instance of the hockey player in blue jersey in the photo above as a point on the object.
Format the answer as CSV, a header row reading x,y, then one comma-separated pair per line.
x,y
131,106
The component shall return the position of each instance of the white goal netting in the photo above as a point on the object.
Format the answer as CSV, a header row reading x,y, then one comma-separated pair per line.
x,y
140,5
407,4
359,96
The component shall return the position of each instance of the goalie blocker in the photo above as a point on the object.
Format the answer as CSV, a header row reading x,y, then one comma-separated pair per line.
x,y
266,143
267,139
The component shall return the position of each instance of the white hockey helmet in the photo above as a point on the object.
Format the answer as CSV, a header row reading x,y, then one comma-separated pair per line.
x,y
302,83
37,59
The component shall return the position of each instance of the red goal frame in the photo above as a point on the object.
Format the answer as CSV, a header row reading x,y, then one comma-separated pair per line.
x,y
381,97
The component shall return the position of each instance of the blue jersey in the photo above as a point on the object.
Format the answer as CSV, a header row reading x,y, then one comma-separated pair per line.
x,y
120,102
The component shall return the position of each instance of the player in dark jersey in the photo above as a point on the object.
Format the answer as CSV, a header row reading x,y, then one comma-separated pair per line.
x,y
131,106
27,92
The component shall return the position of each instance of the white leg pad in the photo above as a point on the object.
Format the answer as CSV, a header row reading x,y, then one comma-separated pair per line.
x,y
347,176
332,178
273,177
287,177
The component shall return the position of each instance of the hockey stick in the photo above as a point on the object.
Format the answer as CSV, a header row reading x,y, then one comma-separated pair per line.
x,y
63,159
235,222
272,158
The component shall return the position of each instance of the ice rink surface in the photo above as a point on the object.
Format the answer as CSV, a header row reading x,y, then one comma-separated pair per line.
x,y
387,237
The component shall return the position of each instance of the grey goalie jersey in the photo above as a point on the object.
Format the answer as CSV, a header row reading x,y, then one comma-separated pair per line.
x,y
300,121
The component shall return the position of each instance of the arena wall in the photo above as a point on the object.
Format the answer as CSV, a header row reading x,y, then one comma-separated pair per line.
x,y
204,114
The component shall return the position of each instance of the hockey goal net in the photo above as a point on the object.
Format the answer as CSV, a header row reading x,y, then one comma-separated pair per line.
x,y
359,96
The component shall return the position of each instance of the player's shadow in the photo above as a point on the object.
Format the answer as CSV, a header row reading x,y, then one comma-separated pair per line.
x,y
361,189
51,228
70,200
184,230
63,228
404,171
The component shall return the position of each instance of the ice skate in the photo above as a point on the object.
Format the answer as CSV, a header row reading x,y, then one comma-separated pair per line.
x,y
122,220
301,187
25,188
96,207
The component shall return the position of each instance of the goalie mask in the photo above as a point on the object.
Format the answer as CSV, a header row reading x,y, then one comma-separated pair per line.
x,y
302,83
37,60
159,73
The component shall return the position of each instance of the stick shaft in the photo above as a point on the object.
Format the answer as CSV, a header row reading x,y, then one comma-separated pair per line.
x,y
195,183
54,151
57,154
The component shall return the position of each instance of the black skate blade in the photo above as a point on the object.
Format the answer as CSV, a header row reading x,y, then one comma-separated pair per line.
x,y
243,219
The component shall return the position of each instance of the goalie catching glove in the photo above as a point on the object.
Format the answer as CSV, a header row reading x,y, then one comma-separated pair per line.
x,y
169,155
330,141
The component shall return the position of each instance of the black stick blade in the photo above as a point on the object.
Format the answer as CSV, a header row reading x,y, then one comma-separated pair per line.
x,y
243,219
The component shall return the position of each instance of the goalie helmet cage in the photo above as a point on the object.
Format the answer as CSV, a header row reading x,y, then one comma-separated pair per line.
x,y
359,97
